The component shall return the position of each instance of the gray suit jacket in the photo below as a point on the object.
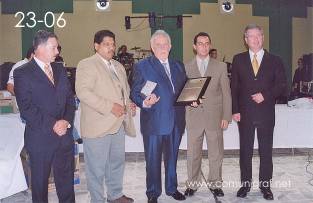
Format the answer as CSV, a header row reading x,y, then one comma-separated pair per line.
x,y
217,103
97,91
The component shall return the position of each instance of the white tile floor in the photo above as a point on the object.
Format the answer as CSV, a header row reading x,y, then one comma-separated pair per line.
x,y
290,183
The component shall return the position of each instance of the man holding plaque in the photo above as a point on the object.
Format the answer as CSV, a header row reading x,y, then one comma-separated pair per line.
x,y
258,78
157,81
208,118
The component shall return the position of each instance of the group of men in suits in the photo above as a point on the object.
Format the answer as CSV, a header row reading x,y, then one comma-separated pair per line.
x,y
46,103
259,78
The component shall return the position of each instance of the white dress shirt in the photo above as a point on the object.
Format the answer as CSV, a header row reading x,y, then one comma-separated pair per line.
x,y
202,64
259,56
41,64
109,64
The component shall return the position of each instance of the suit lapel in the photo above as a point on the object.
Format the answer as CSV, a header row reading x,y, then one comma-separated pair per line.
x,y
56,74
174,73
102,65
249,64
105,70
195,69
263,63
121,76
209,69
159,69
39,73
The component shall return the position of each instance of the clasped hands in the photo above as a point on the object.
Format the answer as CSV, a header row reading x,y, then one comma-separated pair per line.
x,y
60,127
119,110
257,98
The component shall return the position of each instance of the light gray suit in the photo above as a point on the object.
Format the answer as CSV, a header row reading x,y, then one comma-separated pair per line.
x,y
206,120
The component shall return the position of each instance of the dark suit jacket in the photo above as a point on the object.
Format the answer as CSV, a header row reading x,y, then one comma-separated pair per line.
x,y
161,118
270,81
41,104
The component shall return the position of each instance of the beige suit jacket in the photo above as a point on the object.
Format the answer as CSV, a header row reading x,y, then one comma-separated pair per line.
x,y
217,103
97,91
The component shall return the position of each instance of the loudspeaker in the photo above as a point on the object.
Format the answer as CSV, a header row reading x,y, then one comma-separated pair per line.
x,y
226,6
103,5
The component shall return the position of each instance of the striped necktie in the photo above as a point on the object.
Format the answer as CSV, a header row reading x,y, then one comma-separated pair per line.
x,y
48,72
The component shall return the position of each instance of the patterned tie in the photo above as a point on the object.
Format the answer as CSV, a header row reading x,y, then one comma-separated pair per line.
x,y
168,73
255,64
49,73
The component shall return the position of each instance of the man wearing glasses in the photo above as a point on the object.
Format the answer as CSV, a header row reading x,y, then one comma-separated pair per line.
x,y
208,119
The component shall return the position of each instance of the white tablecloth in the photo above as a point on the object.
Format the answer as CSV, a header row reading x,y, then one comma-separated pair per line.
x,y
12,179
293,129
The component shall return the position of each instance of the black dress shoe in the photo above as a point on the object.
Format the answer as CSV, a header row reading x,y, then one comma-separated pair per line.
x,y
242,192
267,193
178,196
218,192
153,200
190,192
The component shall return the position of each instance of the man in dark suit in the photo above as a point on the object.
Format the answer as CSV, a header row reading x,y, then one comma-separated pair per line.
x,y
162,124
258,77
46,102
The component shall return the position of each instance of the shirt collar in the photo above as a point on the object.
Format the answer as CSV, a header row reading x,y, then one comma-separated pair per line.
x,y
166,61
40,63
104,60
259,53
206,59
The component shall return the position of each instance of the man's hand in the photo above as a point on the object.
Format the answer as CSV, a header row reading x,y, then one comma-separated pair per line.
x,y
258,98
132,107
194,104
224,124
151,100
118,110
236,117
60,127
